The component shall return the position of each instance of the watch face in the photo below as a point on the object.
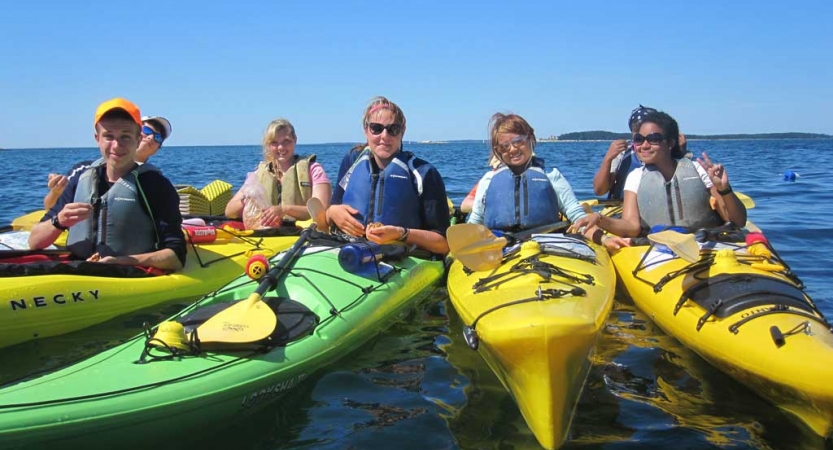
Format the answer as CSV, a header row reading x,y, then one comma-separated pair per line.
x,y
57,224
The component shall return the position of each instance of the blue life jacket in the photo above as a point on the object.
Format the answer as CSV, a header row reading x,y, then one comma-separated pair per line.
x,y
119,225
629,163
520,202
391,197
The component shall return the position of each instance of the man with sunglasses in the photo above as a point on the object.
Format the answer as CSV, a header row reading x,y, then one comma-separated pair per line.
x,y
116,210
155,129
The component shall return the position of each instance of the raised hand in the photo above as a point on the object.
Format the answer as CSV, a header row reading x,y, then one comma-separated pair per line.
x,y
717,173
616,147
73,213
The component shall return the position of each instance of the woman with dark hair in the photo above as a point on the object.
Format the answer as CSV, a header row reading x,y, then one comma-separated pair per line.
x,y
670,189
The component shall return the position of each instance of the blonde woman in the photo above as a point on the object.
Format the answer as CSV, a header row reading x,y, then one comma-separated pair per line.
x,y
287,179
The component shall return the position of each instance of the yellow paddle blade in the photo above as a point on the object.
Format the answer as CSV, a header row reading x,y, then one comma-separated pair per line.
x,y
27,221
484,255
745,199
683,245
475,246
249,320
587,205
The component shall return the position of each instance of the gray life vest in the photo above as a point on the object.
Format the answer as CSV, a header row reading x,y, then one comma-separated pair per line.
x,y
682,201
119,225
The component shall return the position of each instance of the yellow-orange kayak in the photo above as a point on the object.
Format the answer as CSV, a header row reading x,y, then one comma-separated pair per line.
x,y
535,320
741,309
51,304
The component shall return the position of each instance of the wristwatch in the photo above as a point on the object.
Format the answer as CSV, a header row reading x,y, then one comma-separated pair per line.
x,y
57,223
405,233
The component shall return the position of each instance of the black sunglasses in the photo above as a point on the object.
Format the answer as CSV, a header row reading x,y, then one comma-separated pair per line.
x,y
393,129
653,138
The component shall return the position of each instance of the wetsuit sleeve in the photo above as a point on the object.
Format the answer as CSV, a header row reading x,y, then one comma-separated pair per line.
x,y
164,204
570,207
435,215
346,163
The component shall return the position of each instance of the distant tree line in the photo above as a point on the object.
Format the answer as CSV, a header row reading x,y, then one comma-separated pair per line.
x,y
609,136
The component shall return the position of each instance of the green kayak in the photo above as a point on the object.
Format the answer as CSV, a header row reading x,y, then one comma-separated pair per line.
x,y
142,393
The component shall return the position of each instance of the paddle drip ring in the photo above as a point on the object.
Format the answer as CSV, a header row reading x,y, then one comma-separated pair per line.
x,y
257,266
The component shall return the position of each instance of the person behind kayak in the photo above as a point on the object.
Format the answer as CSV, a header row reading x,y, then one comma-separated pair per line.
x,y
288,180
670,189
388,194
620,159
116,210
155,130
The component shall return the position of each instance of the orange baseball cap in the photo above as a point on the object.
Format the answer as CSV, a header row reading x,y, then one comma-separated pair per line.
x,y
118,103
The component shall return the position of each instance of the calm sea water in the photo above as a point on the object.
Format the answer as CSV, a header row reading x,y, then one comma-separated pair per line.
x,y
419,386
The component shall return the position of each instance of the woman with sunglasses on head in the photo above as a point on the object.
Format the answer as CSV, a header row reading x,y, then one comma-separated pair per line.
x,y
670,189
288,180
155,129
387,194
520,194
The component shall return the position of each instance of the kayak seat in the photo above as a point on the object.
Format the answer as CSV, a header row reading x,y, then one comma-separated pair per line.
x,y
739,292
295,320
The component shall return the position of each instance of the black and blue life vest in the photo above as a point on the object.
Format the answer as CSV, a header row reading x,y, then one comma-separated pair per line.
x,y
119,225
390,196
630,162
520,202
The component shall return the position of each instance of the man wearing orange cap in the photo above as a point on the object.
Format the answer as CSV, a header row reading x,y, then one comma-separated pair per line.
x,y
116,210
155,130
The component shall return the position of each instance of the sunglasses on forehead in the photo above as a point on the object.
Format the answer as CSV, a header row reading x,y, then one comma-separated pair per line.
x,y
148,131
653,138
376,128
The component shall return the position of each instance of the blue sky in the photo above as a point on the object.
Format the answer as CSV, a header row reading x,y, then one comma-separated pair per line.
x,y
220,71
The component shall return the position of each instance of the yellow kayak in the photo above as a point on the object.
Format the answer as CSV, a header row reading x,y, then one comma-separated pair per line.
x,y
741,309
535,320
51,304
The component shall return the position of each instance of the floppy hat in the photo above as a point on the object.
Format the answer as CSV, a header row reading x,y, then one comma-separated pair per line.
x,y
166,125
118,103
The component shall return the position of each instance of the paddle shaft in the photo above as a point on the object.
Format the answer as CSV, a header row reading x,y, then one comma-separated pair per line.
x,y
270,280
18,253
526,234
